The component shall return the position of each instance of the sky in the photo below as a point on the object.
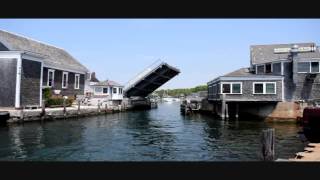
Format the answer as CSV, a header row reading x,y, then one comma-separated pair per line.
x,y
203,49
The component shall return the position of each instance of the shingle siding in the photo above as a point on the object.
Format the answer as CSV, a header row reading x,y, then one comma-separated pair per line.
x,y
30,83
307,88
247,92
8,71
70,90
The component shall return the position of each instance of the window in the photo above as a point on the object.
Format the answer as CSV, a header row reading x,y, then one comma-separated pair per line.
x,y
260,69
258,88
276,68
304,67
226,88
65,80
232,88
76,81
264,88
236,88
308,67
314,66
98,90
270,88
114,90
120,90
268,68
50,81
105,90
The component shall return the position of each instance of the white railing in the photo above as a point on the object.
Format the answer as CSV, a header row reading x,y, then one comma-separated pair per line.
x,y
142,74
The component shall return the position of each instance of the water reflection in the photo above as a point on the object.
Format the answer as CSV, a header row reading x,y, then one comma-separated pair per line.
x,y
157,134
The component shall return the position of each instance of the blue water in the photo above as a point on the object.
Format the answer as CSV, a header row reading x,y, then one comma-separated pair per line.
x,y
153,135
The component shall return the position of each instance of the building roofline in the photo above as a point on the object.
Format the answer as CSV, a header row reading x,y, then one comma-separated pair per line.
x,y
254,77
282,44
41,42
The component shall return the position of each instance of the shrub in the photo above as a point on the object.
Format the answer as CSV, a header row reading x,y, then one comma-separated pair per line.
x,y
57,101
47,93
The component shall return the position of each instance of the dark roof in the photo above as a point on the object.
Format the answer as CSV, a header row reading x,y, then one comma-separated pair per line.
x,y
245,72
94,78
260,54
107,83
239,72
54,56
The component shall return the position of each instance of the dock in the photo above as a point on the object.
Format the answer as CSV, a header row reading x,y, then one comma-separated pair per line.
x,y
26,115
310,153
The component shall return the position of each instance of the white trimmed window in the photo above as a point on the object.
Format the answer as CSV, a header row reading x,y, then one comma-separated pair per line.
x,y
77,81
98,90
260,69
268,68
120,90
314,67
264,88
105,90
309,67
65,80
50,80
114,90
231,88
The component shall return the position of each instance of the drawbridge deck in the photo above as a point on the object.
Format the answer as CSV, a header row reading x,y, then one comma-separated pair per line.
x,y
150,80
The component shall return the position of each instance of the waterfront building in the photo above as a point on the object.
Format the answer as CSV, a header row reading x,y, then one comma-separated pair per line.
x,y
28,66
107,91
278,73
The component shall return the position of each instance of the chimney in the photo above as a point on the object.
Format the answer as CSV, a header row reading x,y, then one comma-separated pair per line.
x,y
93,77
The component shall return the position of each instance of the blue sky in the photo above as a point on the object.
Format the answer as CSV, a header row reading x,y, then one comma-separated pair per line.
x,y
202,49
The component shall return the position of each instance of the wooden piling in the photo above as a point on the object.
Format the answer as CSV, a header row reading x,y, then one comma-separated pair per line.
x,y
99,110
227,110
106,107
21,115
223,106
43,109
79,107
64,107
268,144
237,110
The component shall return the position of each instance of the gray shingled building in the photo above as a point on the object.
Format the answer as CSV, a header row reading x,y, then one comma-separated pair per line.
x,y
27,66
277,73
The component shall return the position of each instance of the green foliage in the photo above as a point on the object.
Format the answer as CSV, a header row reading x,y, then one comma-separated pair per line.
x,y
58,102
47,93
182,91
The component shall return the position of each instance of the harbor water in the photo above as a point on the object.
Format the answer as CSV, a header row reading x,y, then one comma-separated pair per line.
x,y
160,134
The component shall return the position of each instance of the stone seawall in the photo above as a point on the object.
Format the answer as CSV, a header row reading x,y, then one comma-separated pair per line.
x,y
273,111
57,113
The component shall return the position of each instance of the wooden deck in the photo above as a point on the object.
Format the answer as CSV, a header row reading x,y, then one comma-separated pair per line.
x,y
311,153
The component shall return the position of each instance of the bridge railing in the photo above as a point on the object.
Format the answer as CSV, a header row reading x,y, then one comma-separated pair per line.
x,y
142,74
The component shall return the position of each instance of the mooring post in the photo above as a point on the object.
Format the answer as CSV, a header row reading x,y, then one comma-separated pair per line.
x,y
21,115
227,110
43,106
64,107
237,110
79,106
223,106
98,105
268,141
106,107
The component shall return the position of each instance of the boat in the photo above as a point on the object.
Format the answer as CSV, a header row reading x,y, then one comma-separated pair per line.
x,y
311,124
190,106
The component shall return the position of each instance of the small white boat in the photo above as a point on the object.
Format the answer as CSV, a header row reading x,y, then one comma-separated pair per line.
x,y
170,99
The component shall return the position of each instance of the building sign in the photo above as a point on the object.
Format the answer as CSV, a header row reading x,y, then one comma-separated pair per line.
x,y
300,49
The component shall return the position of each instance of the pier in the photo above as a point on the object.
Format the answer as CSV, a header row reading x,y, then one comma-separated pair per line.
x,y
310,153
